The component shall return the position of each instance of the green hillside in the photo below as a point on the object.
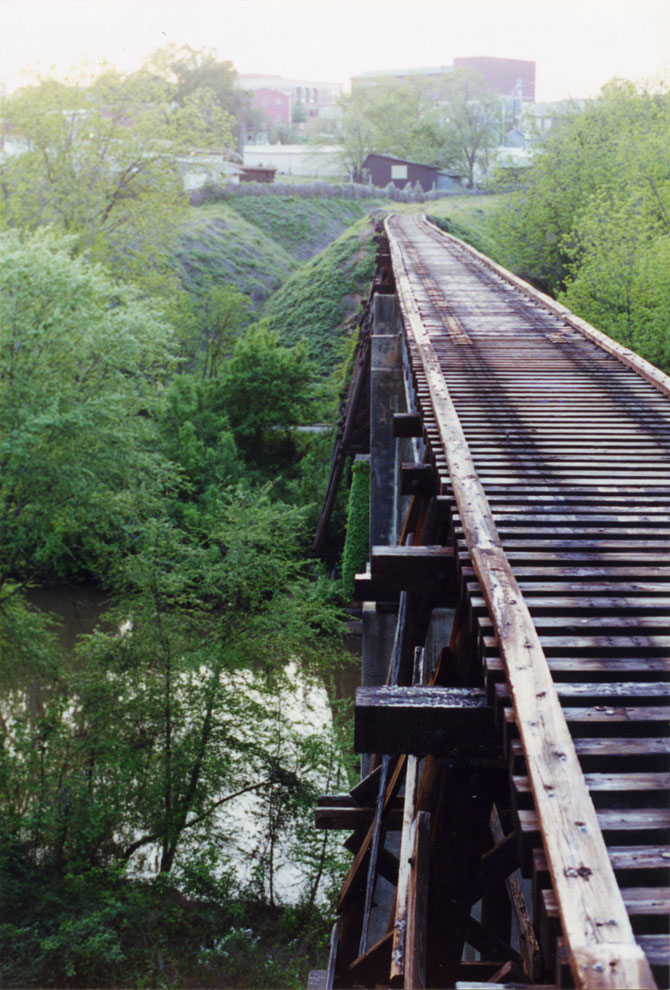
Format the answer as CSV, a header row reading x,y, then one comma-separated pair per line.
x,y
319,302
302,225
220,246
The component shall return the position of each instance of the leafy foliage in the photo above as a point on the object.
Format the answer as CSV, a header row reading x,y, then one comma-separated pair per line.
x,y
594,220
357,540
451,122
162,461
82,362
101,163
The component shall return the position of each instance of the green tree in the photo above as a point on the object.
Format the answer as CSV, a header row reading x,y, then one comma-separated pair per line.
x,y
222,314
616,146
593,223
617,279
101,163
137,746
188,70
265,390
385,117
82,362
465,127
449,121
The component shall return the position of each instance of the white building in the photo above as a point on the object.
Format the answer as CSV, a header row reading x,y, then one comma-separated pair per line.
x,y
321,162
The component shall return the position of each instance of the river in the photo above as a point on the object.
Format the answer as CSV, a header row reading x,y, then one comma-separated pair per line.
x,y
305,705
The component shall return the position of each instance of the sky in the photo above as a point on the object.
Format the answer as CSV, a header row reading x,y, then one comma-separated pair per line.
x,y
578,45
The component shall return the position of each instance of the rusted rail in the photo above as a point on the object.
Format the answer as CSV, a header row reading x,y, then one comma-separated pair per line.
x,y
539,737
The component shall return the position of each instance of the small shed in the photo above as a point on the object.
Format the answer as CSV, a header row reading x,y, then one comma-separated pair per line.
x,y
257,173
382,169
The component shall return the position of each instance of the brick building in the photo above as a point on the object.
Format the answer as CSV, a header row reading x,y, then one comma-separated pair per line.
x,y
277,98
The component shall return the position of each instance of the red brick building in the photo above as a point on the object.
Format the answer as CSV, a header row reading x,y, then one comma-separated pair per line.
x,y
274,104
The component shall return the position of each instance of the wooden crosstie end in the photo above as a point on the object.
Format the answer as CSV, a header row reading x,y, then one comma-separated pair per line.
x,y
512,827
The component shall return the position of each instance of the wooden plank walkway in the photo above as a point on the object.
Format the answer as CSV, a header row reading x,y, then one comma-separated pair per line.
x,y
549,450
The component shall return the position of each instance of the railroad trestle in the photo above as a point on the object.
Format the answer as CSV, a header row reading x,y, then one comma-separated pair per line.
x,y
512,823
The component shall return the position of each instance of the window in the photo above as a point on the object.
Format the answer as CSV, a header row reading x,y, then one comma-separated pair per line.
x,y
398,171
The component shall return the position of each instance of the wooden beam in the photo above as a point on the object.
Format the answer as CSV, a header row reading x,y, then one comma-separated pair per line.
x,y
366,589
417,479
352,881
497,864
354,817
421,568
528,944
598,933
405,868
332,956
371,968
407,424
423,720
383,592
417,923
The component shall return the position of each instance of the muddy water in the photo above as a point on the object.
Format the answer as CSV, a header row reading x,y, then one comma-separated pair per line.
x,y
78,611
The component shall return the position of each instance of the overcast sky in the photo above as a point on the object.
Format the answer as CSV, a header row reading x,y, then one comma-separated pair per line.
x,y
578,45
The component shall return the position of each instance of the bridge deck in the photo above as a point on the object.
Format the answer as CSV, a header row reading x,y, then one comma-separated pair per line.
x,y
551,479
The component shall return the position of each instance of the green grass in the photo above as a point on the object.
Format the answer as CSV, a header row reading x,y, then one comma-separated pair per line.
x,y
302,225
218,246
319,303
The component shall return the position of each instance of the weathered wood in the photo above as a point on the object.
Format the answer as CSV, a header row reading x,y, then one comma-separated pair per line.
x,y
367,589
635,866
611,783
623,354
417,479
352,881
648,754
621,826
459,837
606,694
367,788
569,825
376,843
416,936
473,976
421,566
371,968
407,425
639,901
405,868
497,864
423,720
603,720
354,817
332,957
529,948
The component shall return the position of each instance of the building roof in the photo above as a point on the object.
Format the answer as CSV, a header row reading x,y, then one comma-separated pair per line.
x,y
438,70
261,80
